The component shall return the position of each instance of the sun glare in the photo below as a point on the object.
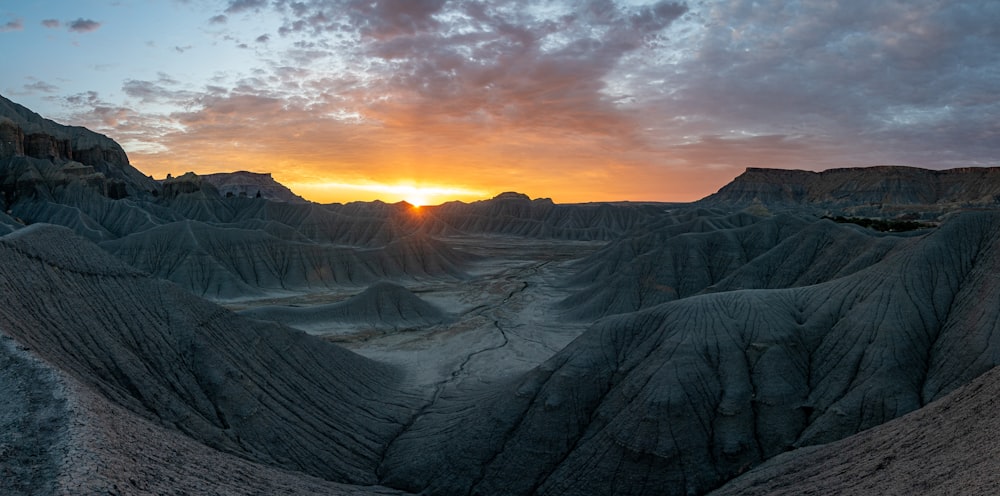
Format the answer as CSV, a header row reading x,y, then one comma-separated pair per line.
x,y
418,196
416,200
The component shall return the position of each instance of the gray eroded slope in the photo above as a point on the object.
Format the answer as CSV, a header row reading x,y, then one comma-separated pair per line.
x,y
383,306
256,390
225,261
58,437
720,253
682,397
518,215
951,446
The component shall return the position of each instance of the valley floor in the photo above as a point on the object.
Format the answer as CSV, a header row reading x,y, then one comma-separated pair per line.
x,y
503,319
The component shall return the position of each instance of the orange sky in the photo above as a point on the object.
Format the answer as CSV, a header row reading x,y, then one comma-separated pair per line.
x,y
332,161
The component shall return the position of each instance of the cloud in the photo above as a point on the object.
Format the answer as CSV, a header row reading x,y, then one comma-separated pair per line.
x,y
157,91
51,23
41,86
219,19
905,77
388,18
182,49
264,38
237,6
14,25
82,25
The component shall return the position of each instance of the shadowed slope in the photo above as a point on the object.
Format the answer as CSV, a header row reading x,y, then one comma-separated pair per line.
x,y
951,446
257,390
671,261
822,251
682,397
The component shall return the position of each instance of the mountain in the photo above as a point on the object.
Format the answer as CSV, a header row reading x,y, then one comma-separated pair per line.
x,y
882,190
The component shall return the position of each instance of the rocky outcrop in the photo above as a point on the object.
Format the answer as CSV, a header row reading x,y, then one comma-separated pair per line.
x,y
187,184
11,139
883,190
251,185
24,133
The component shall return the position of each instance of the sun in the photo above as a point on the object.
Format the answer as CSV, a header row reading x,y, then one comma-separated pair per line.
x,y
416,199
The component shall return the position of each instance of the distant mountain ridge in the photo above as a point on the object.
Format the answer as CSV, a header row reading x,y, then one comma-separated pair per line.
x,y
885,188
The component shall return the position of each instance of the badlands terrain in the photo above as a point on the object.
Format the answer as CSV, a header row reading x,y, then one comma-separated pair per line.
x,y
220,335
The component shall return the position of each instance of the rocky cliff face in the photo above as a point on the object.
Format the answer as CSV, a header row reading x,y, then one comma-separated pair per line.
x,y
24,133
885,189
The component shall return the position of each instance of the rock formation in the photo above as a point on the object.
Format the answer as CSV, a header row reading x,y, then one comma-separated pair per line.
x,y
24,133
381,306
866,190
251,185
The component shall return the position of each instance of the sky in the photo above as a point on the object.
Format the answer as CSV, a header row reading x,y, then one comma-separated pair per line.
x,y
438,100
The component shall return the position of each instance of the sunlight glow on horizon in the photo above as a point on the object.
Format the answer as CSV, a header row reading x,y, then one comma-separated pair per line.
x,y
416,194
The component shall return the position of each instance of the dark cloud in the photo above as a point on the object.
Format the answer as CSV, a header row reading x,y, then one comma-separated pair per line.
x,y
237,6
182,49
388,18
51,23
487,65
219,19
911,77
14,25
264,38
82,25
